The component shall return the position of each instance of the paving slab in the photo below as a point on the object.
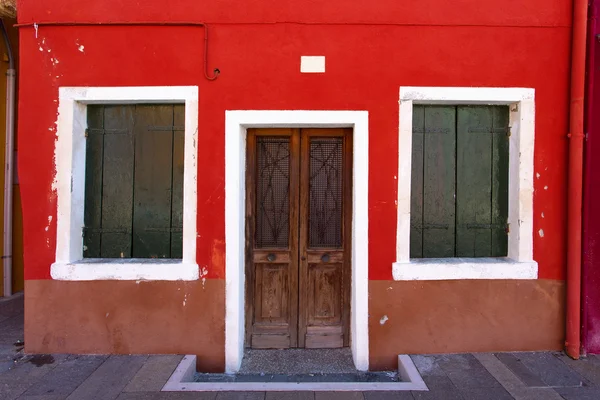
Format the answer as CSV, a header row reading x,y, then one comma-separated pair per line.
x,y
154,373
339,396
28,369
66,376
588,367
388,395
10,391
12,330
438,394
496,393
511,382
428,365
6,363
167,396
107,381
290,396
520,370
8,351
241,396
432,372
551,370
438,383
465,371
593,358
11,306
584,393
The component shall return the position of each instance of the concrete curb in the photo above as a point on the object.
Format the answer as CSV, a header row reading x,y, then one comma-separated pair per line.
x,y
182,381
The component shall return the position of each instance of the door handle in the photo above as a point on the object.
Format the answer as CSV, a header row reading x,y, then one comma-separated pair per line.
x,y
325,257
303,258
271,257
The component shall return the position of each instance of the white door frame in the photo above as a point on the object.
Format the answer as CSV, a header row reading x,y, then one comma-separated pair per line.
x,y
236,124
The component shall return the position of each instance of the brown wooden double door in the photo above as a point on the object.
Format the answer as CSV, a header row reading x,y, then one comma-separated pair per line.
x,y
298,237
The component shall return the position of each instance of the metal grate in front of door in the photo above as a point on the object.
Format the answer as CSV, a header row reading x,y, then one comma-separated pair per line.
x,y
325,192
272,192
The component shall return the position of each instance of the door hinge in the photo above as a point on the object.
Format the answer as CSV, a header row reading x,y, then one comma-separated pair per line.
x,y
507,229
87,132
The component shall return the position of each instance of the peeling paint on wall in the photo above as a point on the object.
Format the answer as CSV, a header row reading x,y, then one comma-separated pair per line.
x,y
49,222
203,274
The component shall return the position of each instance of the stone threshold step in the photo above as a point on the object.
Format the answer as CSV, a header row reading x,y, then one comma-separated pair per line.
x,y
186,379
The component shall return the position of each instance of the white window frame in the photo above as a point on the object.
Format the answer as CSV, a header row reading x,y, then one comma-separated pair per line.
x,y
70,150
519,263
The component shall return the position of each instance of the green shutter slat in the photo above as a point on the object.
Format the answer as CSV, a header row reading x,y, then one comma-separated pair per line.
x,y
177,198
117,182
474,181
152,185
93,183
416,183
500,181
438,181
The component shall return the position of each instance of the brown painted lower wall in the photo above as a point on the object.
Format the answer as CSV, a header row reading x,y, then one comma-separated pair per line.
x,y
125,317
463,316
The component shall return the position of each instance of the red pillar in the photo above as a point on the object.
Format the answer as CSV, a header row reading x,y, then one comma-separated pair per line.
x,y
591,201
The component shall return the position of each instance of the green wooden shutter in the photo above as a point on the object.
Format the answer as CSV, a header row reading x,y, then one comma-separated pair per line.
x,y
93,182
177,201
482,181
153,177
134,182
500,180
416,184
436,213
109,182
459,188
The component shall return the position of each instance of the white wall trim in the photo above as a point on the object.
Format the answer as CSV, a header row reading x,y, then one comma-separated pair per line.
x,y
70,185
236,123
519,264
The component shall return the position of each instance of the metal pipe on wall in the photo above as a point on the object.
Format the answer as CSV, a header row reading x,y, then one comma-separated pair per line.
x,y
11,75
212,77
575,176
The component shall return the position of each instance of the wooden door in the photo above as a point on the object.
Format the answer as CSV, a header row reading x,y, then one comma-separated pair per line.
x,y
298,224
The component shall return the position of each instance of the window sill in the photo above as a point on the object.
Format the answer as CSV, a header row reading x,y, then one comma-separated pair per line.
x,y
125,270
431,269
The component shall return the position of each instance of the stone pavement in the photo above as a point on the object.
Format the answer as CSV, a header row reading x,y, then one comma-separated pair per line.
x,y
485,376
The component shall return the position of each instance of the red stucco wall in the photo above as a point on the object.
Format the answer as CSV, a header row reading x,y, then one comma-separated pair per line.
x,y
371,49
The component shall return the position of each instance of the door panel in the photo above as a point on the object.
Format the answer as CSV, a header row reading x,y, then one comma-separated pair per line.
x,y
325,201
298,203
272,238
324,311
325,191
